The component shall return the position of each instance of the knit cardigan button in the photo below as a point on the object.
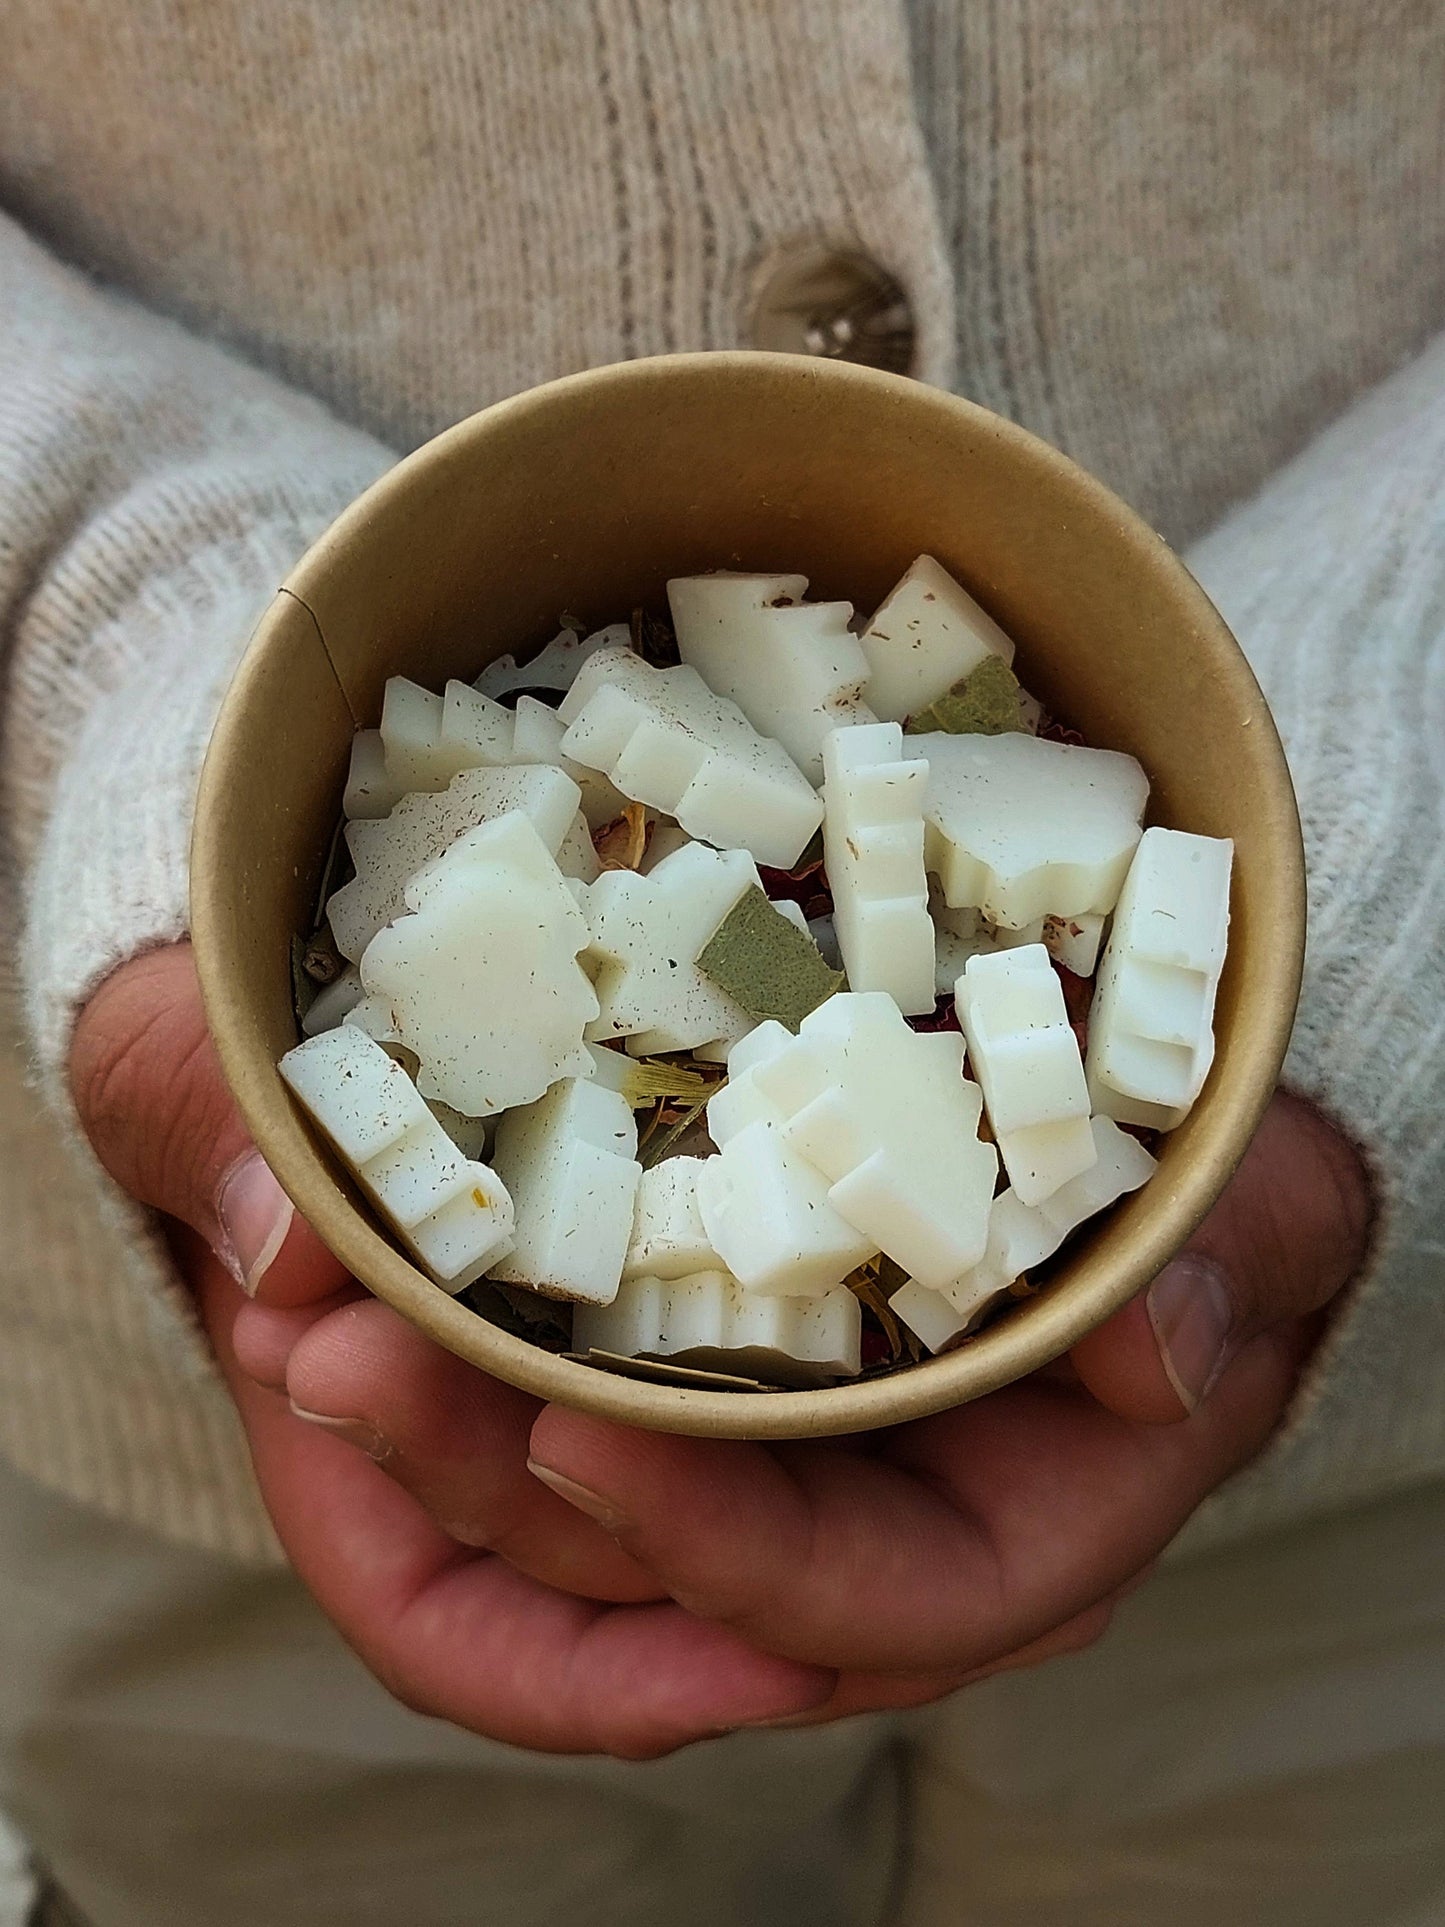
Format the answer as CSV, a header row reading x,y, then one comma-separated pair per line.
x,y
812,298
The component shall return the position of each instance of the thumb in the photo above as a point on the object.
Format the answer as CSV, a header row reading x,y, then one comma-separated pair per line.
x,y
1288,1234
151,1098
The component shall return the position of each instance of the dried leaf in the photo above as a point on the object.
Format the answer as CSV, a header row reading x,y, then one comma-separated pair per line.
x,y
985,703
643,1080
303,987
669,1123
321,960
653,640
622,843
663,1371
765,963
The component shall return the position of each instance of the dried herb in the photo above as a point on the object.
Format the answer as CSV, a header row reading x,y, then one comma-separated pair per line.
x,y
622,843
872,1284
303,987
645,1080
985,703
321,960
653,639
666,1371
669,1122
545,1322
765,964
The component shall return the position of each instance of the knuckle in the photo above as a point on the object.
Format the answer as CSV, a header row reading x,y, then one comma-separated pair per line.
x,y
141,1079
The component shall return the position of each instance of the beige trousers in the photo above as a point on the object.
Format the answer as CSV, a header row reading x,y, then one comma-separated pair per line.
x,y
1261,1739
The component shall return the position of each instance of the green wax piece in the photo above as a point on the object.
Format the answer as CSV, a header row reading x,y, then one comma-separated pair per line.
x,y
766,964
985,703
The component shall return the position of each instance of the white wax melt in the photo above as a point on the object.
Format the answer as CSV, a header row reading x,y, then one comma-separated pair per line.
x,y
928,635
666,740
370,791
1151,1027
1021,1236
793,668
453,1214
482,979
1073,942
1020,1047
961,934
334,1003
554,666
709,1320
429,739
888,1118
669,1239
570,1163
537,738
476,733
646,933
422,827
873,853
767,1213
1023,828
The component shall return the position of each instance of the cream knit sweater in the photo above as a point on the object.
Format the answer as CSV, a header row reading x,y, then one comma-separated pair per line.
x,y
1202,248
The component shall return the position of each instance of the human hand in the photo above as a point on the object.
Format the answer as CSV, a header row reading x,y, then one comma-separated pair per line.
x,y
886,1569
497,1619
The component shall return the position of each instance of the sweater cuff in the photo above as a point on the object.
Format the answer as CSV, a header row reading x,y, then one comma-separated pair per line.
x,y
1333,580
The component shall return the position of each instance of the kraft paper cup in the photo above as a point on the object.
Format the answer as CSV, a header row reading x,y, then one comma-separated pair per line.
x,y
585,496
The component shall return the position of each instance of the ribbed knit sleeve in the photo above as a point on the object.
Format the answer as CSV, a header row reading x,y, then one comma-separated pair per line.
x,y
153,493
1333,578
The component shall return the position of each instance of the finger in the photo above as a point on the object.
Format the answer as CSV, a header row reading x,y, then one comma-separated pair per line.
x,y
897,1692
968,1536
462,1636
151,1098
264,1336
1286,1236
457,1441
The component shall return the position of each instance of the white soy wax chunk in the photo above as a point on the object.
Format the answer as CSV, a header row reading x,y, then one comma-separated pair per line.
x,y
664,739
928,1315
1021,1236
664,839
794,668
577,853
554,666
334,1003
646,934
422,827
1073,942
873,854
1026,1057
738,1103
452,1213
708,1319
928,634
669,1239
476,733
961,934
570,1163
482,980
767,1213
888,1118
370,791
1022,828
1151,1026
537,738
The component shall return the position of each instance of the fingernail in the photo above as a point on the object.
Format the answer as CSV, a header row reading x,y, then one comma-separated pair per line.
x,y
583,1497
355,1431
1192,1315
255,1215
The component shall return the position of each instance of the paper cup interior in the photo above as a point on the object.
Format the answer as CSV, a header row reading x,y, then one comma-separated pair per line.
x,y
583,497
